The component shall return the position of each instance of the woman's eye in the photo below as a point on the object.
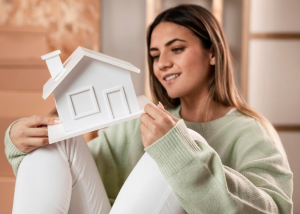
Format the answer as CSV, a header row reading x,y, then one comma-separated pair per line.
x,y
155,57
177,50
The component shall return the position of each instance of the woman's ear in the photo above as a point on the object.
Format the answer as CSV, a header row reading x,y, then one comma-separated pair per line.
x,y
213,61
212,56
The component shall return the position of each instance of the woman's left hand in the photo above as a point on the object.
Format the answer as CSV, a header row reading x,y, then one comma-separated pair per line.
x,y
156,122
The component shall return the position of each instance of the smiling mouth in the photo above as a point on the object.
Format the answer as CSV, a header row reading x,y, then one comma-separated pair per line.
x,y
171,78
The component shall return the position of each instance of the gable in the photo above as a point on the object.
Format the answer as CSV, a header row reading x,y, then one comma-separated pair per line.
x,y
75,58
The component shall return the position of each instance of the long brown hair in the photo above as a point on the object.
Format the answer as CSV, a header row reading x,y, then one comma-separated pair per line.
x,y
222,88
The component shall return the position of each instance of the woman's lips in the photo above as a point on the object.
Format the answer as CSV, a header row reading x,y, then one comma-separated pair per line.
x,y
171,78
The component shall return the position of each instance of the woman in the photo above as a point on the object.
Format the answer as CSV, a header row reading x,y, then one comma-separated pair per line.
x,y
242,169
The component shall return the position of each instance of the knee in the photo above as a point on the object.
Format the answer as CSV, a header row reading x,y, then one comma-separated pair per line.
x,y
44,160
72,147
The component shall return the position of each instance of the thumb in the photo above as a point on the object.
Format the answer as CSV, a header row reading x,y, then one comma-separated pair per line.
x,y
39,121
161,107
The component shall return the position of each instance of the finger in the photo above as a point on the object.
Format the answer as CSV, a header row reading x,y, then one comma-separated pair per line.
x,y
36,132
144,140
42,120
153,111
37,141
27,148
146,119
161,107
143,128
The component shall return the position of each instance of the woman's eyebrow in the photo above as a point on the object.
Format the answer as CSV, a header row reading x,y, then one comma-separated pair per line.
x,y
172,41
153,49
167,44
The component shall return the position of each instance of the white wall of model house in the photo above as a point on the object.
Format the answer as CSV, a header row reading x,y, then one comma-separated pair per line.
x,y
83,97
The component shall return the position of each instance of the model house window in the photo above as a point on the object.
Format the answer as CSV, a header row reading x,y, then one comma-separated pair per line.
x,y
83,102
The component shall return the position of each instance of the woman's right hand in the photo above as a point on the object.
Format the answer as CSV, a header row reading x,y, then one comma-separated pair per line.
x,y
31,132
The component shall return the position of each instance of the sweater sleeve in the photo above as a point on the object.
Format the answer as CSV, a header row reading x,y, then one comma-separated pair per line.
x,y
203,184
14,155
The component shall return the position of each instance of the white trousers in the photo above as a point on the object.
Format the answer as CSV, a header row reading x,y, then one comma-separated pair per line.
x,y
63,178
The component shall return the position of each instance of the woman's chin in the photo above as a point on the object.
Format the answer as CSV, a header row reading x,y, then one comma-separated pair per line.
x,y
174,94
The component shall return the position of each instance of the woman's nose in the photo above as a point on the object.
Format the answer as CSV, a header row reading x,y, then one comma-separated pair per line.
x,y
164,63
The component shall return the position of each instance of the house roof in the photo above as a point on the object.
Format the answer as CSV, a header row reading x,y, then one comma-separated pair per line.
x,y
75,58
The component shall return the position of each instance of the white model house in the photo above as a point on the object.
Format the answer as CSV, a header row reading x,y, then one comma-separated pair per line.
x,y
90,88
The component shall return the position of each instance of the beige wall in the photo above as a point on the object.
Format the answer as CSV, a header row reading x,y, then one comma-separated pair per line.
x,y
274,73
232,25
123,34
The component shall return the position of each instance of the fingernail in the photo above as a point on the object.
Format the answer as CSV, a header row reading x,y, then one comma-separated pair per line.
x,y
161,104
56,120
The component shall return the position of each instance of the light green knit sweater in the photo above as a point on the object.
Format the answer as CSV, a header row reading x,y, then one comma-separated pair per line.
x,y
242,170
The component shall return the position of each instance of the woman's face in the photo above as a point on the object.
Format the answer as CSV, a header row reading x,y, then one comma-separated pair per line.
x,y
180,62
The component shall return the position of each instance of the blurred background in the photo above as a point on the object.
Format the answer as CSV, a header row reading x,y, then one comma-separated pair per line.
x,y
264,37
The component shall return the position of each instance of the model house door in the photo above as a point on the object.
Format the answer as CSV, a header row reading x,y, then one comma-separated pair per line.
x,y
116,102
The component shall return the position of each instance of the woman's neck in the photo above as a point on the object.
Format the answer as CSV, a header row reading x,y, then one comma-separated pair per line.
x,y
194,109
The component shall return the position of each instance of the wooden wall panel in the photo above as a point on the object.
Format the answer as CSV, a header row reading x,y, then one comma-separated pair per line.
x,y
271,55
23,104
69,23
275,16
21,75
7,187
22,46
29,29
26,78
274,79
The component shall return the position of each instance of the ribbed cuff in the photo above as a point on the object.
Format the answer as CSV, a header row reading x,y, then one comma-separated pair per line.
x,y
174,150
11,150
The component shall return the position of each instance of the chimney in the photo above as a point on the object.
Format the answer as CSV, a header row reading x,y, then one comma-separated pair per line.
x,y
53,62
